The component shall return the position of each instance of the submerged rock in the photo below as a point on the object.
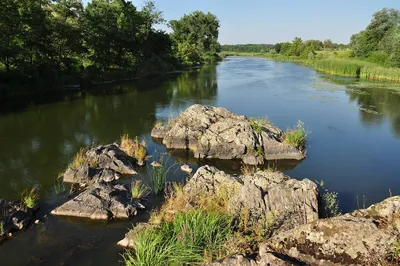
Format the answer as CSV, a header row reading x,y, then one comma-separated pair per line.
x,y
101,201
103,163
289,201
364,237
14,217
212,132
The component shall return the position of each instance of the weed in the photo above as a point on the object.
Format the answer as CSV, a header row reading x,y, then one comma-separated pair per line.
x,y
29,198
158,175
258,124
329,201
133,148
296,137
139,190
259,151
79,159
1,228
394,254
192,238
59,187
159,123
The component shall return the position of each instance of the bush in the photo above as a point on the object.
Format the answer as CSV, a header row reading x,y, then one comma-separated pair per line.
x,y
296,137
192,238
378,57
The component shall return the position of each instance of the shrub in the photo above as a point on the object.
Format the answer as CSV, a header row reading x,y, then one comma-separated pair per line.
x,y
328,201
29,198
296,137
139,190
378,57
192,238
79,159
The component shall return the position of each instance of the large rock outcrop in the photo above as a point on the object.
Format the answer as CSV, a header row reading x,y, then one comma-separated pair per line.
x,y
102,163
212,132
14,217
291,202
101,201
364,237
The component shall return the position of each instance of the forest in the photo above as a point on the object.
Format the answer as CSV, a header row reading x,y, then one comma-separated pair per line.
x,y
45,44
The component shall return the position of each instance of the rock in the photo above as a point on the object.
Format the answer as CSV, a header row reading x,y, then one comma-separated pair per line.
x,y
103,163
212,132
127,242
265,259
186,168
101,201
364,237
155,164
236,260
37,222
14,217
289,201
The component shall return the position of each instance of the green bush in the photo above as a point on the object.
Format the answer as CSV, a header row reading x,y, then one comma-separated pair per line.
x,y
378,57
192,238
296,137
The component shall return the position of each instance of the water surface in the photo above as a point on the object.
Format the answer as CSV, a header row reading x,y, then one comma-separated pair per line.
x,y
353,143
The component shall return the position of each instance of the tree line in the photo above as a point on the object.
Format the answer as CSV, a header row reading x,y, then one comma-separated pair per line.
x,y
56,41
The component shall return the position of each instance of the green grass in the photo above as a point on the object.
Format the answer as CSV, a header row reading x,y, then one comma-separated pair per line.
x,y
139,190
296,137
192,238
29,198
394,254
1,228
158,175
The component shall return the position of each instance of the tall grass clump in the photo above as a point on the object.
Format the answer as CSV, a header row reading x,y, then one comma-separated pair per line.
x,y
296,137
29,198
342,67
134,148
379,73
192,238
79,159
258,124
158,175
1,228
139,190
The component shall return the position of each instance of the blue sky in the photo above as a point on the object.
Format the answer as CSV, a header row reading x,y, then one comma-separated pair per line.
x,y
265,21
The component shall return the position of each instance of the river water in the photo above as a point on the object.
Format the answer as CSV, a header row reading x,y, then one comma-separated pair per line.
x,y
353,142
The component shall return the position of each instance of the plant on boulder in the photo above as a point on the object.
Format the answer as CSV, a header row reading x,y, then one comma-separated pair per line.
x,y
296,137
79,159
134,148
329,202
29,198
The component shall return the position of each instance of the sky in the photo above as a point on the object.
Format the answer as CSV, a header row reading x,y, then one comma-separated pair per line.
x,y
266,21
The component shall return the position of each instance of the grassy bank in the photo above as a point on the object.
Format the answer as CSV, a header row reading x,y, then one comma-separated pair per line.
x,y
338,66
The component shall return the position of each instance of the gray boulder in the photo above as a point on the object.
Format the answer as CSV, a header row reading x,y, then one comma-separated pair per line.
x,y
291,202
364,237
212,132
101,201
103,163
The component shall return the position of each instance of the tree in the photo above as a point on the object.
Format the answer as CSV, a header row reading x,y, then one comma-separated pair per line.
x,y
195,37
328,44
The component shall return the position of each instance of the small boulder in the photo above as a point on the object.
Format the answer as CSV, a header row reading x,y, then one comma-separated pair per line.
x,y
186,168
14,217
101,201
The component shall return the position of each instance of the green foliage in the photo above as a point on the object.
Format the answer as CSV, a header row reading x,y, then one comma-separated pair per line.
x,y
192,238
378,57
297,137
195,37
256,124
139,190
340,67
394,254
29,198
79,159
158,175
59,187
247,48
1,228
328,201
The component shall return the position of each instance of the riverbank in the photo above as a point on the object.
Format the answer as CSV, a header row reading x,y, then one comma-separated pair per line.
x,y
336,66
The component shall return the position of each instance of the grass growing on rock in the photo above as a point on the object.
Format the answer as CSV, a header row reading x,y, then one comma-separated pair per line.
x,y
394,254
296,137
139,190
29,198
193,237
133,147
258,124
79,159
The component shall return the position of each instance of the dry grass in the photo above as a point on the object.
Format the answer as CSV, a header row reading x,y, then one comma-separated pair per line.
x,y
133,148
79,159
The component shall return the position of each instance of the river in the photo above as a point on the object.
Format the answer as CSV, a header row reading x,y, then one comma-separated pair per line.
x,y
353,142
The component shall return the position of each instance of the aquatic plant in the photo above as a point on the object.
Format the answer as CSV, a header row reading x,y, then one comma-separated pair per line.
x,y
79,159
158,175
329,202
29,198
296,137
134,148
59,187
193,237
139,190
342,67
